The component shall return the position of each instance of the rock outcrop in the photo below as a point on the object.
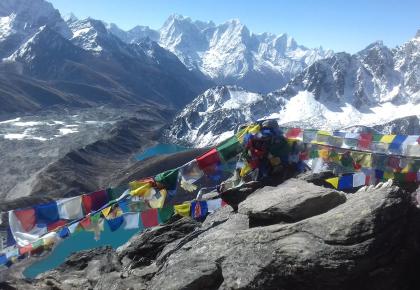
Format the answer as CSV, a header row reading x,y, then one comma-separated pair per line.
x,y
294,236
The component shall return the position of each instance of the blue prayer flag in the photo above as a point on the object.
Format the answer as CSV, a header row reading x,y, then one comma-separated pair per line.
x,y
64,232
46,213
114,224
3,259
395,146
345,182
10,239
199,209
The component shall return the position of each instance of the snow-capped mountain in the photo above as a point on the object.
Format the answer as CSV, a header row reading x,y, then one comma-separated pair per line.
x,y
230,54
81,63
372,87
19,19
215,114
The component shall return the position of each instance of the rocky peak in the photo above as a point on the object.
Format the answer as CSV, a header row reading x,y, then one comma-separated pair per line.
x,y
32,14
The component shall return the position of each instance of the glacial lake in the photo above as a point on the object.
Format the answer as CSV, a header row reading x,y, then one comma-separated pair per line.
x,y
85,240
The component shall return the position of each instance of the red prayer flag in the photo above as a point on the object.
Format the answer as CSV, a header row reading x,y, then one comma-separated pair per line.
x,y
208,160
293,133
365,140
87,203
26,218
150,218
56,225
85,223
25,249
411,177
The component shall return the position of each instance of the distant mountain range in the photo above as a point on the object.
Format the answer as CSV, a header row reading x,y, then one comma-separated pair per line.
x,y
371,87
48,61
229,53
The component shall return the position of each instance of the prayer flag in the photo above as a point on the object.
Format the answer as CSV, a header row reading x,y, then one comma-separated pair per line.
x,y
115,223
387,139
214,204
98,199
208,161
165,214
168,178
149,218
359,179
87,203
365,140
56,225
3,259
199,209
70,208
333,181
229,148
64,233
345,182
26,218
131,221
46,213
294,133
183,209
395,146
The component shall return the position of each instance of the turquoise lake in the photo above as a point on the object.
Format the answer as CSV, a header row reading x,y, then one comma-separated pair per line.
x,y
160,149
85,240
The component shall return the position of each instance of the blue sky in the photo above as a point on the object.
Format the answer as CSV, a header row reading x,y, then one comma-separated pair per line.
x,y
342,25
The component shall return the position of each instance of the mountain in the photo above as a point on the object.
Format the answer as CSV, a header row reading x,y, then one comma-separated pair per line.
x,y
19,19
229,53
80,63
215,114
371,87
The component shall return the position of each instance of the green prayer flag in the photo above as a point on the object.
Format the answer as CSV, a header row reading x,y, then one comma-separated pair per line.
x,y
168,178
165,213
229,148
115,193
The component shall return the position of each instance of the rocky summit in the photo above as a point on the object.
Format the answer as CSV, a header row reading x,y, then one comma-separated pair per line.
x,y
296,235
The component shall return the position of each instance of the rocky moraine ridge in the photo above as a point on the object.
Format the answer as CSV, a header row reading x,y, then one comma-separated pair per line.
x,y
296,235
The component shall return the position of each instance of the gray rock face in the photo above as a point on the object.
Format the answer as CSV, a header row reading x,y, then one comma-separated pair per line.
x,y
289,202
311,238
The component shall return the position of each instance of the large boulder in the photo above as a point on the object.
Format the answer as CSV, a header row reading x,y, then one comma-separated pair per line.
x,y
291,201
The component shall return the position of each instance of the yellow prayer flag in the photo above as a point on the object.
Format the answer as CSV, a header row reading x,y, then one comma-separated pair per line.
x,y
183,209
387,138
106,211
388,175
157,202
333,181
362,158
251,129
323,153
142,190
245,170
